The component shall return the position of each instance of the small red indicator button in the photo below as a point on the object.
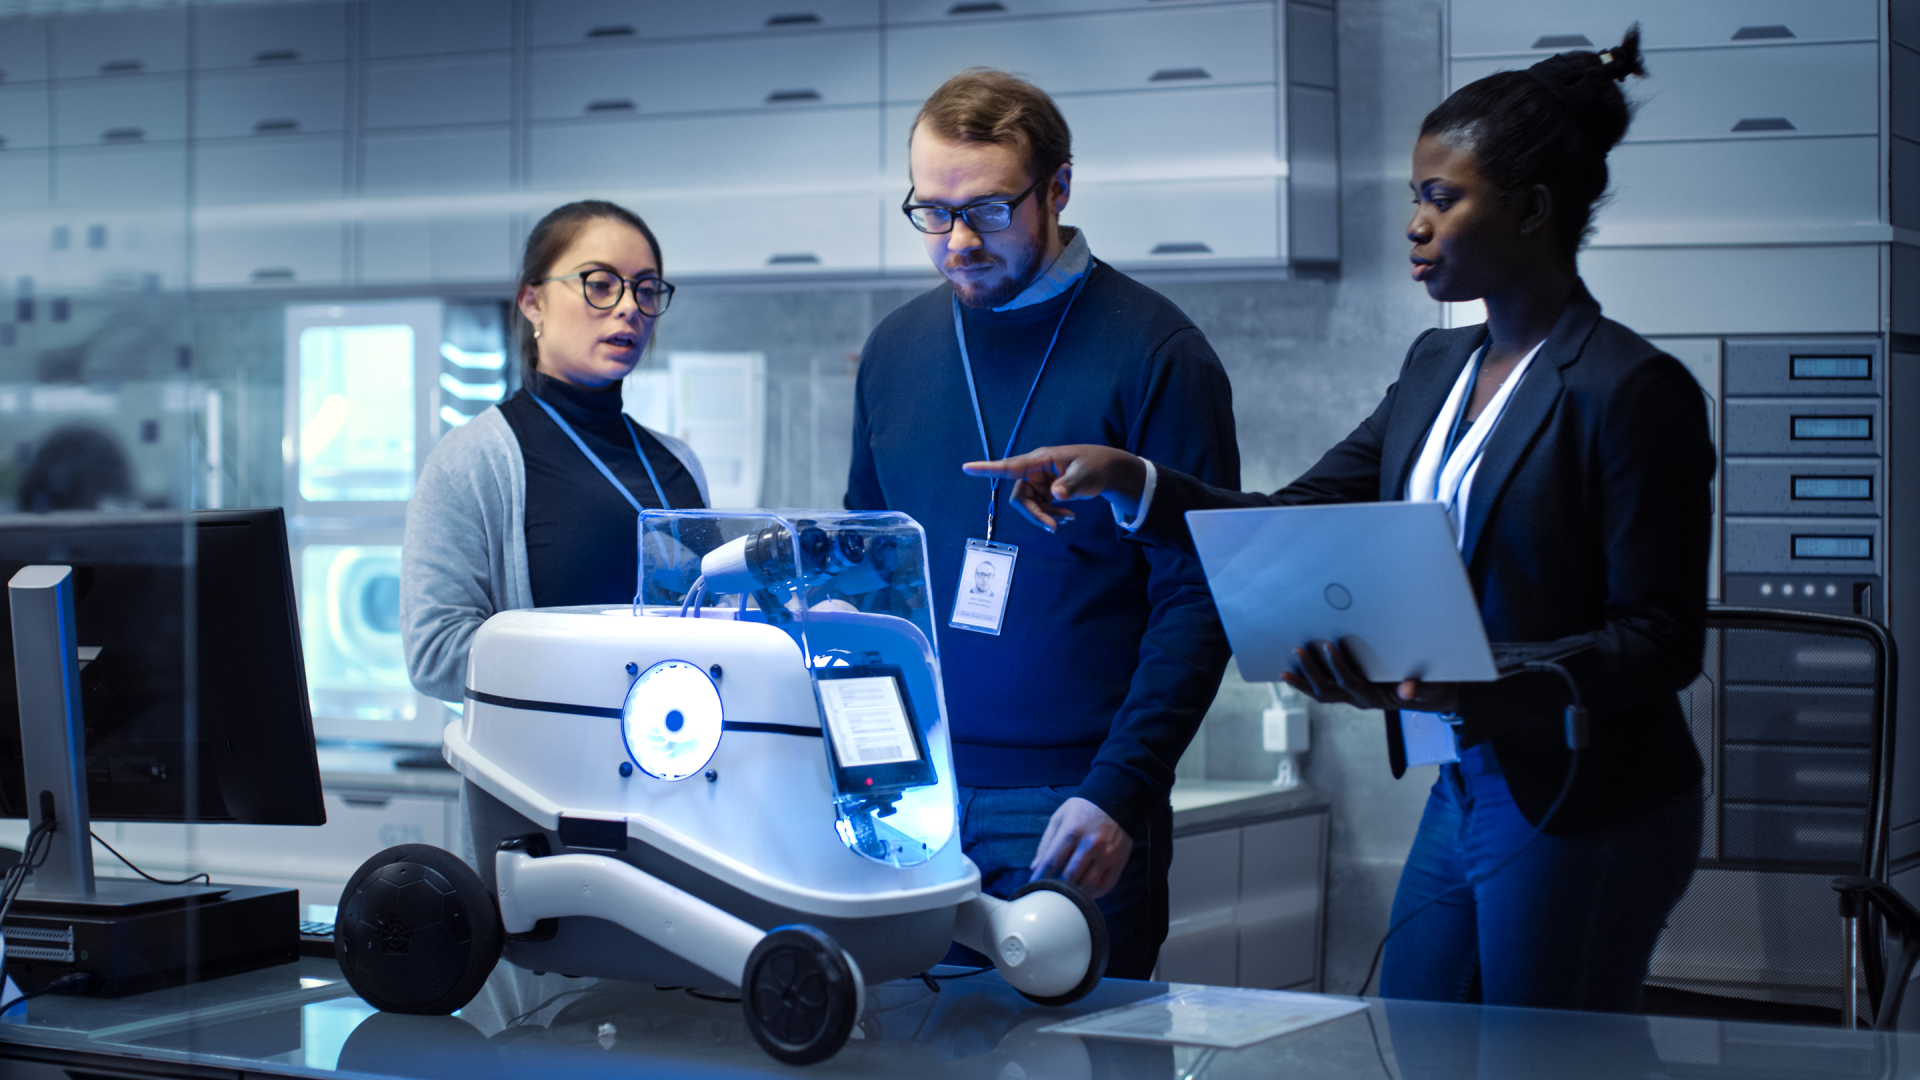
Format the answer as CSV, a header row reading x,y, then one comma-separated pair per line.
x,y
869,781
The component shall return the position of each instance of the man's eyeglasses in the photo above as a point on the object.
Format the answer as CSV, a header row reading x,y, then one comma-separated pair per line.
x,y
986,216
603,289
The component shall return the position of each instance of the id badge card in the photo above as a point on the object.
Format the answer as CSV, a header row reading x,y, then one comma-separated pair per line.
x,y
986,575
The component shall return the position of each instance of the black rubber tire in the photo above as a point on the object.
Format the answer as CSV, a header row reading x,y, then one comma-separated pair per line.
x,y
417,931
1096,926
801,996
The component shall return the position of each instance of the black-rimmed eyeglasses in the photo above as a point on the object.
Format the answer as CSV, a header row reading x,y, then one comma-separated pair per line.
x,y
603,289
985,216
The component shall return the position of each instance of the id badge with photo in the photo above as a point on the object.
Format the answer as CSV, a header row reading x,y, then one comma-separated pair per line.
x,y
986,574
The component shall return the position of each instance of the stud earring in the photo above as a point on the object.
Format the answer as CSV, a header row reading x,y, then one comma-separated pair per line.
x,y
536,333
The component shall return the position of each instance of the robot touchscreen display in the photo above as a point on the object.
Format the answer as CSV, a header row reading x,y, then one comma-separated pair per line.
x,y
876,745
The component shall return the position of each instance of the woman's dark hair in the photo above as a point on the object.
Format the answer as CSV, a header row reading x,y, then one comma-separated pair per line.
x,y
1551,124
548,241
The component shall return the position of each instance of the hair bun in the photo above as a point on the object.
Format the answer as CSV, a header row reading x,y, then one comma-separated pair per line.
x,y
1624,59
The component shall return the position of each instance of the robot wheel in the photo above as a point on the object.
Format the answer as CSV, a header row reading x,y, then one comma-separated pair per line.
x,y
801,994
1096,928
417,931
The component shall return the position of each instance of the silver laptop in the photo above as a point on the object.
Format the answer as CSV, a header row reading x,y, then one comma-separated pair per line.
x,y
1383,579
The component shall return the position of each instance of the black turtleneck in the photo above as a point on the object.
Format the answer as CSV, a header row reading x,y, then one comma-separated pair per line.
x,y
581,534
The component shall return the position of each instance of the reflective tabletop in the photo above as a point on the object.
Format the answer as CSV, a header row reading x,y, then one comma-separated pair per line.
x,y
302,1020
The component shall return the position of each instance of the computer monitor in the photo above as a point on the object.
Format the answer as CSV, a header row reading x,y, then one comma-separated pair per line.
x,y
221,733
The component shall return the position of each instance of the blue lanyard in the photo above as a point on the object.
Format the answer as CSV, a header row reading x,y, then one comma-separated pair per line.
x,y
979,418
602,466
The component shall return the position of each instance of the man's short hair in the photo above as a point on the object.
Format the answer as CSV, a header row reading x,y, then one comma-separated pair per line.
x,y
988,106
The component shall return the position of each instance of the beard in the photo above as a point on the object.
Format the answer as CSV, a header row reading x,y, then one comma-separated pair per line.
x,y
1013,282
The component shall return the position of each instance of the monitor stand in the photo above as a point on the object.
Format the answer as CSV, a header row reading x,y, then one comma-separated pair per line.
x,y
128,936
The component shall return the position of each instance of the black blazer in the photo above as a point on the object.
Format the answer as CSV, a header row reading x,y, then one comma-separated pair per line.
x,y
1590,518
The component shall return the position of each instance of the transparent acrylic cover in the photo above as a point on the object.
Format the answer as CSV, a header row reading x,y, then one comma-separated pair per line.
x,y
852,591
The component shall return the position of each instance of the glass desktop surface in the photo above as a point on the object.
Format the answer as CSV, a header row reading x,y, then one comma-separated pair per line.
x,y
302,1020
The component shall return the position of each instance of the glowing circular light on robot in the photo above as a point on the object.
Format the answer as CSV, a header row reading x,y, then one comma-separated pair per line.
x,y
671,720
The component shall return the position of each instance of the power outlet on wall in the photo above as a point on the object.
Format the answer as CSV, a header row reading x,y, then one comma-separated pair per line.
x,y
1283,728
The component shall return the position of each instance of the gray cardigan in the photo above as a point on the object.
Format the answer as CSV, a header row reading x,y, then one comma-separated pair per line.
x,y
464,555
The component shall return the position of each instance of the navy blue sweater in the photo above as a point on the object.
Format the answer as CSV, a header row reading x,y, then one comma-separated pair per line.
x,y
582,537
1110,652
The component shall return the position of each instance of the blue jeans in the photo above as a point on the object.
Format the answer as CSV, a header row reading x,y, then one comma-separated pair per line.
x,y
1570,923
1000,830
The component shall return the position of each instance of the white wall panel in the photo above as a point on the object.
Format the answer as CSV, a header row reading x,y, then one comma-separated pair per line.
x,y
441,90
438,27
270,170
23,117
23,50
751,151
1738,290
430,163
122,176
1740,190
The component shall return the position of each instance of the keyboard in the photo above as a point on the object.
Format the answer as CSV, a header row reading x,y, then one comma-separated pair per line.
x,y
316,939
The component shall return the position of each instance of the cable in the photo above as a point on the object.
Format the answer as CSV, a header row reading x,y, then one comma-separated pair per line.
x,y
1378,1051
1575,730
79,982
35,853
157,881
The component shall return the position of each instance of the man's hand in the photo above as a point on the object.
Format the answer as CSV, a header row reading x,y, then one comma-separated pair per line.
x,y
1053,475
1328,675
1084,846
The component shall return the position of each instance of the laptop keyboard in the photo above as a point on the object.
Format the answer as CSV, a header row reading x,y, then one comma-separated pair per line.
x,y
316,929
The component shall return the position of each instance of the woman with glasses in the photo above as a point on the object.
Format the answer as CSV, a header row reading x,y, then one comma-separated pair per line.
x,y
533,503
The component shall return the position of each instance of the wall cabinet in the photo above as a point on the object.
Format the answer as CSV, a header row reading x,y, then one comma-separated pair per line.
x,y
265,35
761,137
1499,27
707,76
575,22
439,91
438,27
269,103
1245,902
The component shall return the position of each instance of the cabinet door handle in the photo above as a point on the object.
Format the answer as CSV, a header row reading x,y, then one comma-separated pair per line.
x,y
805,258
610,105
366,802
783,96
1179,74
1762,33
986,8
273,273
276,56
1562,41
1765,123
122,67
125,134
1188,248
803,18
276,127
609,32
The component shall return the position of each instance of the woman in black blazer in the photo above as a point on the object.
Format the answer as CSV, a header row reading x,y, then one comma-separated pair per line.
x,y
1574,458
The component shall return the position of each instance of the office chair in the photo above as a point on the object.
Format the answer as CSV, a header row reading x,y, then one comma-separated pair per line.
x,y
1792,714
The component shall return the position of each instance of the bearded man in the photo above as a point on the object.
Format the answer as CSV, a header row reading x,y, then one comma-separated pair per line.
x,y
1074,688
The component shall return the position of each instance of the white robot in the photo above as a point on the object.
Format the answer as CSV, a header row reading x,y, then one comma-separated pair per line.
x,y
744,779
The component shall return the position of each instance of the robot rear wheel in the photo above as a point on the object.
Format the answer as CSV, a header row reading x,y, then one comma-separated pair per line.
x,y
801,994
417,931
